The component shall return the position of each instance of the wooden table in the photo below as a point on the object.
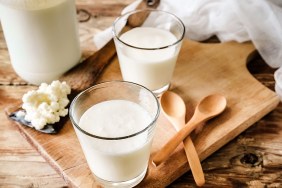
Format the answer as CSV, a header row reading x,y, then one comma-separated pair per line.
x,y
253,159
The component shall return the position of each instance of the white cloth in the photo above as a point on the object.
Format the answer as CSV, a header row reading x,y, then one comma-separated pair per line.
x,y
102,38
230,20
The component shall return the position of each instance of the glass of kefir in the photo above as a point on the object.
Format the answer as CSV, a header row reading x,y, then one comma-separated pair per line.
x,y
115,123
41,36
147,53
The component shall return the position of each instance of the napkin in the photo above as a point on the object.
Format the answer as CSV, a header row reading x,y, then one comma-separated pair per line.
x,y
259,21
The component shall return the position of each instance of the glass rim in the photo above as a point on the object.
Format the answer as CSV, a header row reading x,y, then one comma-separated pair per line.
x,y
148,10
103,85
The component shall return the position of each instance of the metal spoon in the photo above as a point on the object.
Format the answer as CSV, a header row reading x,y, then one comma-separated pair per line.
x,y
208,108
174,109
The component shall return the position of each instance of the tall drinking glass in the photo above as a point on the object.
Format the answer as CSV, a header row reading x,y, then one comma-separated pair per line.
x,y
115,123
147,53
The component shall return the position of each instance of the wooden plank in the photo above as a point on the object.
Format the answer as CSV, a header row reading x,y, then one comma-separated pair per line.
x,y
20,164
253,159
201,69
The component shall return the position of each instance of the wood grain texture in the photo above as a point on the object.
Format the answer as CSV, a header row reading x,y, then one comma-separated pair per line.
x,y
253,159
20,162
198,73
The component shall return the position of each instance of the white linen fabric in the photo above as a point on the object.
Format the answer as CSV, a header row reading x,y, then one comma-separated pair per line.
x,y
259,21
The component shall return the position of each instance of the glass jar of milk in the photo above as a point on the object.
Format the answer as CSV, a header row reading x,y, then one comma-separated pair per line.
x,y
41,36
115,123
147,52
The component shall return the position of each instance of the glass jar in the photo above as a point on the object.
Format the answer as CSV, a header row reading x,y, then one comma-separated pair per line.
x,y
41,36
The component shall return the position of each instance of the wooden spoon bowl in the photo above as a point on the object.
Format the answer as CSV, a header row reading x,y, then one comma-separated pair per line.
x,y
207,108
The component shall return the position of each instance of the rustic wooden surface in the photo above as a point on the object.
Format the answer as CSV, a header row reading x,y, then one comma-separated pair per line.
x,y
198,73
252,159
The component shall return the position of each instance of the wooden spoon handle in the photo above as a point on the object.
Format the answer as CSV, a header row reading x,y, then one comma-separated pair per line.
x,y
171,145
191,153
194,161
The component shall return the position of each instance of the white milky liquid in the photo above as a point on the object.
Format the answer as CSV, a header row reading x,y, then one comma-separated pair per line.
x,y
42,37
151,68
118,160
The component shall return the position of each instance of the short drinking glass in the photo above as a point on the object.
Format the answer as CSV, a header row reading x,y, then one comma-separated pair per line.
x,y
115,123
147,52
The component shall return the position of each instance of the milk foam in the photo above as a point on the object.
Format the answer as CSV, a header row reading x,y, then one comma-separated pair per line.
x,y
115,118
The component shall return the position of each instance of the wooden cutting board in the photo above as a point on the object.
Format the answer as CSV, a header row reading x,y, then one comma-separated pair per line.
x,y
201,69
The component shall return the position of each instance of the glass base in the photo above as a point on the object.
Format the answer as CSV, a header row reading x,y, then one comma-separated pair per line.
x,y
160,91
122,184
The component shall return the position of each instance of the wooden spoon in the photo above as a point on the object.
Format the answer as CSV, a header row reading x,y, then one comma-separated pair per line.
x,y
174,109
208,108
